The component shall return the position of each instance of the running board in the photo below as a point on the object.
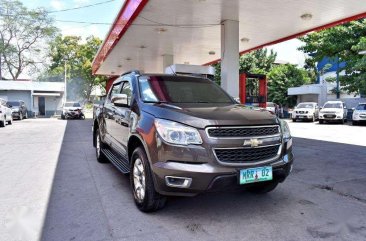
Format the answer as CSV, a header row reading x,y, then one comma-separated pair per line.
x,y
117,160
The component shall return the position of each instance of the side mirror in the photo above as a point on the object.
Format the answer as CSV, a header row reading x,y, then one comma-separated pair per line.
x,y
120,100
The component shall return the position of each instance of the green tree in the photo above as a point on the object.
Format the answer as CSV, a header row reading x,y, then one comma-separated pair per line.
x,y
23,33
343,42
257,62
76,56
282,77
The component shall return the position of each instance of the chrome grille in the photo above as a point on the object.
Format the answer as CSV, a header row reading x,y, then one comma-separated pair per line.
x,y
246,155
245,131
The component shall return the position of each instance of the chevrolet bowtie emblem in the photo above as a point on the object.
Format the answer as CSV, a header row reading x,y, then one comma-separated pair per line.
x,y
252,142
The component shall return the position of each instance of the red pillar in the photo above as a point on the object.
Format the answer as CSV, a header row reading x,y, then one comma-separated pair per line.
x,y
242,87
263,92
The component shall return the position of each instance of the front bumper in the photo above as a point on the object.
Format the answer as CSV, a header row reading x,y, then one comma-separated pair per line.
x,y
15,114
359,117
331,117
303,116
206,174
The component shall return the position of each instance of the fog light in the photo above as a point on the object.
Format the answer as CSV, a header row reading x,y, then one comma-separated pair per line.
x,y
180,182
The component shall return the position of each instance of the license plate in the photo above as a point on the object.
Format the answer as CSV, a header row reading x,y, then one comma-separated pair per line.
x,y
258,174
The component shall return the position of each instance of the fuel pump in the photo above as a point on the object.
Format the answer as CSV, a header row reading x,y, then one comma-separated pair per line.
x,y
253,89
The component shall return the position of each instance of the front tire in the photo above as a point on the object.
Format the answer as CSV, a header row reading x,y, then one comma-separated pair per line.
x,y
101,158
293,120
354,123
321,121
262,188
143,190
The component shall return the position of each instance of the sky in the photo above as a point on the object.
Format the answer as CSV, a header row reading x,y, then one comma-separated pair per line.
x,y
106,13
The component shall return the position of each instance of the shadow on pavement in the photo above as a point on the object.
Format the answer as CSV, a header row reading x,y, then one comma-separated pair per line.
x,y
324,198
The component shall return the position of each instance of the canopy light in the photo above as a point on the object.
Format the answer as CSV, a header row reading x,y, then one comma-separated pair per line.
x,y
244,40
306,16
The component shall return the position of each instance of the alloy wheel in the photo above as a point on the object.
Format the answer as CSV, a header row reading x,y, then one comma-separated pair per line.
x,y
139,180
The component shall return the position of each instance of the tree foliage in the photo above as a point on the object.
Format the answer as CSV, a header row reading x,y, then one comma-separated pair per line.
x,y
282,77
257,62
23,33
77,56
343,42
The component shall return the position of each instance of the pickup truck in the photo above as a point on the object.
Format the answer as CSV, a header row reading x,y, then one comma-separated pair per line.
x,y
184,135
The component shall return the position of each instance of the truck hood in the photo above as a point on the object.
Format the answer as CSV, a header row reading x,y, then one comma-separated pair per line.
x,y
201,115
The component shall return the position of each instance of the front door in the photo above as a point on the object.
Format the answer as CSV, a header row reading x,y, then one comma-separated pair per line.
x,y
41,105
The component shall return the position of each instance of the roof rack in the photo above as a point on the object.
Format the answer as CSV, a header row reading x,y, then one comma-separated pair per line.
x,y
135,71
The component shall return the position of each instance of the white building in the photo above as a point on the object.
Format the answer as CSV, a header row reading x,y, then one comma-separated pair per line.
x,y
324,91
41,98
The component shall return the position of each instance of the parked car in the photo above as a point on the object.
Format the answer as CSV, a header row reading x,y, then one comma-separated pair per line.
x,y
184,135
72,110
271,107
333,111
5,114
306,111
18,109
359,114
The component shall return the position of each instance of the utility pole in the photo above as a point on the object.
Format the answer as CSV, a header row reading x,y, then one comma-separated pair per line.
x,y
65,89
1,76
338,95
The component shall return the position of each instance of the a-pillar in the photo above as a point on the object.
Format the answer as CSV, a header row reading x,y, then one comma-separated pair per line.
x,y
168,60
230,57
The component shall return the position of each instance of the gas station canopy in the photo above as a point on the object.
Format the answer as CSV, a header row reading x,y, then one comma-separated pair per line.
x,y
151,34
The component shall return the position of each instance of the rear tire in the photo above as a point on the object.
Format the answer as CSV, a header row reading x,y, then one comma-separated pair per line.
x,y
101,158
26,115
11,121
262,188
342,121
142,184
3,123
63,116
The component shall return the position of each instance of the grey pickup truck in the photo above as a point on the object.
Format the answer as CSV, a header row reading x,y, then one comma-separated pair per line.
x,y
184,135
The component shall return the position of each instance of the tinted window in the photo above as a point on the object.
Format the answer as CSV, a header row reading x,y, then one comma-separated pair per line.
x,y
14,103
361,107
305,105
115,90
126,89
174,89
332,105
72,104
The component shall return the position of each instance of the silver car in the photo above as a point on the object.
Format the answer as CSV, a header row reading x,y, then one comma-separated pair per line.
x,y
306,111
5,114
359,114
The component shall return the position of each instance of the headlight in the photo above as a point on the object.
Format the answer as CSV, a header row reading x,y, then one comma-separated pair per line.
x,y
286,134
175,133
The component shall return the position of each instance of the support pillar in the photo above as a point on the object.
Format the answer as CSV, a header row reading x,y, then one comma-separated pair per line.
x,y
230,57
168,60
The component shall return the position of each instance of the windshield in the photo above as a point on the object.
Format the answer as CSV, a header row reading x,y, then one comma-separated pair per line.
x,y
305,105
72,104
173,89
14,103
333,105
361,107
270,104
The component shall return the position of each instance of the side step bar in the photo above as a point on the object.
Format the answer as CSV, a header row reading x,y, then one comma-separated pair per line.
x,y
117,160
